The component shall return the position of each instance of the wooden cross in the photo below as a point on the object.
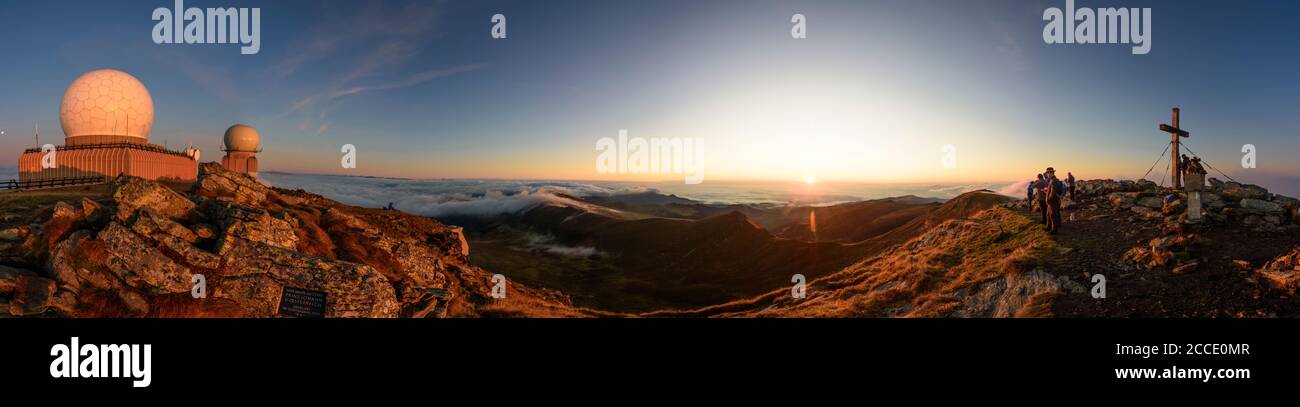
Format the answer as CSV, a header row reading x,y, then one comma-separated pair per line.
x,y
1174,133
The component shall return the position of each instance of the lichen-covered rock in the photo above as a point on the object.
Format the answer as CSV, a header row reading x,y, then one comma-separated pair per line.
x,y
131,193
255,274
217,182
140,264
146,222
259,226
1261,205
1234,191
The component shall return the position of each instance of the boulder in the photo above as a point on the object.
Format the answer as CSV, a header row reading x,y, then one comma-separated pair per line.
x,y
410,261
91,210
1211,200
217,182
64,219
462,243
1266,207
9,279
32,295
1161,251
1284,271
140,265
146,222
78,267
1234,191
1173,207
132,193
1012,295
1122,200
1291,205
1098,187
259,226
1153,202
256,273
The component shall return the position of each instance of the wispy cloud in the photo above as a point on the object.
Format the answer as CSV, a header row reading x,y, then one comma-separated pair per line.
x,y
400,32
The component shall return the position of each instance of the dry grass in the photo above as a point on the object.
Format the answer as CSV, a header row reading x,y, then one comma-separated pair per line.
x,y
925,277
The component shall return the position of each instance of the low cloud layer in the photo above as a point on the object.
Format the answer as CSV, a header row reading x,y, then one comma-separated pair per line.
x,y
441,198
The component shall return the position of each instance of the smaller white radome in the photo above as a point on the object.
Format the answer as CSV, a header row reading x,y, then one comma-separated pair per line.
x,y
107,102
242,137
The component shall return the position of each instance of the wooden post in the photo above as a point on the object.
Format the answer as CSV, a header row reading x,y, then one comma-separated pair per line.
x,y
1177,168
1175,132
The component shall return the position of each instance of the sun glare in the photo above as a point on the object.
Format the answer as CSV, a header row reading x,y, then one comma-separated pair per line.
x,y
810,180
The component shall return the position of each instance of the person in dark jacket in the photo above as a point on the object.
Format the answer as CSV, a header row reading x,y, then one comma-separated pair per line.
x,y
1040,197
1069,184
1029,191
1054,192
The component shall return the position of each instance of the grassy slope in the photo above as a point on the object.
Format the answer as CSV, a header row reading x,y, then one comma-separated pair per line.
x,y
924,277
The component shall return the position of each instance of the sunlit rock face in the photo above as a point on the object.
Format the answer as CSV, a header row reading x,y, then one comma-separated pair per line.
x,y
106,106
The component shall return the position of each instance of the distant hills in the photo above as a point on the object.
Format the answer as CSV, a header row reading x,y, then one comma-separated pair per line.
x,y
662,251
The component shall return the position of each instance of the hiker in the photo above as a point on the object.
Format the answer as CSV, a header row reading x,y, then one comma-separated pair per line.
x,y
1055,190
1069,184
1029,191
1040,197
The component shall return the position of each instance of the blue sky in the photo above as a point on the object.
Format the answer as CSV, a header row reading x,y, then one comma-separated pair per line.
x,y
871,95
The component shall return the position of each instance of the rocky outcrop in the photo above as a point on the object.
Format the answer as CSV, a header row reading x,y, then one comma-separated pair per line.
x,y
257,225
142,251
1017,295
1284,271
218,183
1163,251
256,274
131,193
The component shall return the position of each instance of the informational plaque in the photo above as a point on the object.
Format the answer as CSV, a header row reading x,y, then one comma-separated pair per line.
x,y
300,303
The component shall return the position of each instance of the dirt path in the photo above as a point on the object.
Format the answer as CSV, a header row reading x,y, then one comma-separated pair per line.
x,y
1098,239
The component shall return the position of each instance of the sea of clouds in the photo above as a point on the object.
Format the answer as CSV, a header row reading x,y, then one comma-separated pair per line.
x,y
442,198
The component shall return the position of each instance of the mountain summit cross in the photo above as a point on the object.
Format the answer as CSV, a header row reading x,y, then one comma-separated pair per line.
x,y
1174,133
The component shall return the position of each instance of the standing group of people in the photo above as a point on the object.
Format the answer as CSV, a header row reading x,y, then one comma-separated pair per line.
x,y
1045,195
1192,165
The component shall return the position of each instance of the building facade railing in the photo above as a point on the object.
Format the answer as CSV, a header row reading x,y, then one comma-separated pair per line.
x,y
137,146
51,183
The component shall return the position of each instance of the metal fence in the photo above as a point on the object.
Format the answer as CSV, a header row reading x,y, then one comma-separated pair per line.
x,y
51,183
